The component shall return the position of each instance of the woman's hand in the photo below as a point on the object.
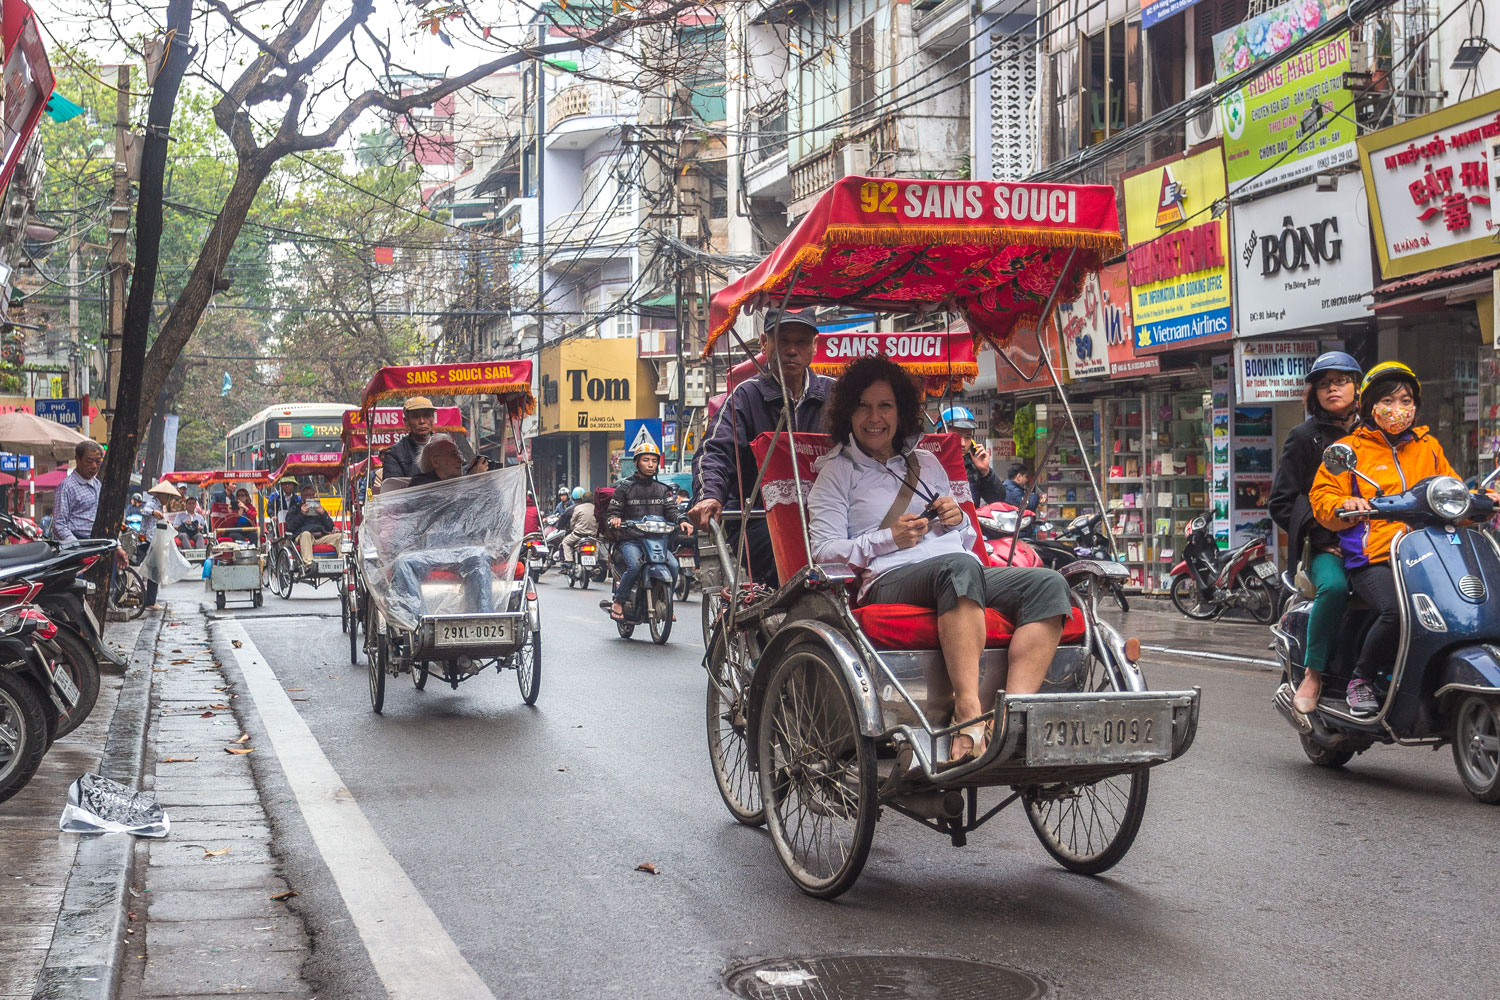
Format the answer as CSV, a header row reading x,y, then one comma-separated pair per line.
x,y
908,530
949,512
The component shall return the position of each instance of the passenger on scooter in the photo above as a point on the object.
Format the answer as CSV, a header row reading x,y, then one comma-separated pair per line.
x,y
1332,403
884,507
635,499
984,482
582,522
1389,399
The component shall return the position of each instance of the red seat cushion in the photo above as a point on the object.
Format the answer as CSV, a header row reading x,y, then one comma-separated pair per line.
x,y
907,626
499,567
325,550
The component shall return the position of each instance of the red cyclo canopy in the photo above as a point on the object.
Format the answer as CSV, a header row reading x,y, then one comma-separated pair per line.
x,y
991,250
510,380
390,425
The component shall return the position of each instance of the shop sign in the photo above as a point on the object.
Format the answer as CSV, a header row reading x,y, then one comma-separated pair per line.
x,y
1267,35
28,83
1096,329
68,412
1429,184
1179,277
1290,121
1273,370
1155,11
593,384
1301,259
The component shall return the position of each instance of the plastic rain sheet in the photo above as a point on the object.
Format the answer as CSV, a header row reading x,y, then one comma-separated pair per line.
x,y
445,548
98,805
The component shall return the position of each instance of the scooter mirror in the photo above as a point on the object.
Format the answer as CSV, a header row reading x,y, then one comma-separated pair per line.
x,y
1339,458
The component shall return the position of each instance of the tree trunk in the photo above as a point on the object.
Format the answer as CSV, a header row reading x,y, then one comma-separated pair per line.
x,y
125,435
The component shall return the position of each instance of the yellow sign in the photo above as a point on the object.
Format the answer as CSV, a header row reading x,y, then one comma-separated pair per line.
x,y
594,385
1179,273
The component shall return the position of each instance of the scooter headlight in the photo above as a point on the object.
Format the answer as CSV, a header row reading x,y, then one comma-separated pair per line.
x,y
1448,498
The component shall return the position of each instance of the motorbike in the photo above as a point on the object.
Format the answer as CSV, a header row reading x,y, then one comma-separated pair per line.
x,y
650,602
37,697
1445,686
687,567
1208,583
539,553
1081,539
997,522
582,568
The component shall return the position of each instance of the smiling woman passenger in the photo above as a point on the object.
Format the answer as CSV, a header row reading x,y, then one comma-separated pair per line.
x,y
883,506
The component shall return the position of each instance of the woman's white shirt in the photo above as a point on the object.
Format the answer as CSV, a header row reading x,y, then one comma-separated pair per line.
x,y
851,496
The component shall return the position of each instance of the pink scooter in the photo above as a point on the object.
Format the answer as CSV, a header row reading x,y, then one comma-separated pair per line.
x,y
998,522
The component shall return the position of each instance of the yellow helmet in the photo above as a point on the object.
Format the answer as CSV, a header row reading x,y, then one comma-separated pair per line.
x,y
1392,370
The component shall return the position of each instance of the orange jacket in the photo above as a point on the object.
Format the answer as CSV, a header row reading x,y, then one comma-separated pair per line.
x,y
1415,456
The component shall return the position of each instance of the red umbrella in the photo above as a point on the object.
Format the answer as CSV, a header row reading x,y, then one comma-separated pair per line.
x,y
51,480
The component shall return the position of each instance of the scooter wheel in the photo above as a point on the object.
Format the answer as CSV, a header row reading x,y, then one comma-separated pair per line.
x,y
1190,600
1476,735
1325,756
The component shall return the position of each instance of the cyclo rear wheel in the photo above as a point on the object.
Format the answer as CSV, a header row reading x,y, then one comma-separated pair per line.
x,y
817,773
1088,828
728,728
528,661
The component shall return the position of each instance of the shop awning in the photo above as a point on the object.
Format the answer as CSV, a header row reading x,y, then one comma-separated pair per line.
x,y
1436,288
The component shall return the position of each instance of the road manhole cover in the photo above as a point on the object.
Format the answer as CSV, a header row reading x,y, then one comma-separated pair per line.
x,y
882,977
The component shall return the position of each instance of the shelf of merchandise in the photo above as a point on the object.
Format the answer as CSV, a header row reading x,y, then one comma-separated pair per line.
x,y
1178,476
1068,492
1124,460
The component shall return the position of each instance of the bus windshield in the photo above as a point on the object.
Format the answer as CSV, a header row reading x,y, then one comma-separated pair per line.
x,y
266,439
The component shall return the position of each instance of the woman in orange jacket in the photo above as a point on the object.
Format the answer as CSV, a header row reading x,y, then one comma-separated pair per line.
x,y
1396,454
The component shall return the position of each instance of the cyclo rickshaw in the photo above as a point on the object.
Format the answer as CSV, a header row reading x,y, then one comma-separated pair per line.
x,y
359,471
237,554
192,553
816,717
284,566
446,588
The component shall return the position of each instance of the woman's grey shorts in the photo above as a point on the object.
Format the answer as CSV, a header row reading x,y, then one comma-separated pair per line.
x,y
1022,594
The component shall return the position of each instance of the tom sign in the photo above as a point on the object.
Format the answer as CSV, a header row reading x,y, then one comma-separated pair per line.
x,y
1302,258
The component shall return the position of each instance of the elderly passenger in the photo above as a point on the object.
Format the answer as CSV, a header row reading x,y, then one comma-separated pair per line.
x,y
883,506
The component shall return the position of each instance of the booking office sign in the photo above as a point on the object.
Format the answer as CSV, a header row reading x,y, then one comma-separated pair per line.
x,y
1178,261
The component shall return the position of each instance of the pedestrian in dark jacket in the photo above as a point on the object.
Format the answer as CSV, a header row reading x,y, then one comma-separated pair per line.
x,y
1332,404
725,462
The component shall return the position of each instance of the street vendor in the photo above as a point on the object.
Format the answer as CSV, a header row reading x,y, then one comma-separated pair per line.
x,y
725,462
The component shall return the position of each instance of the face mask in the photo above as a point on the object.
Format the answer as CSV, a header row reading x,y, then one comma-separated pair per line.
x,y
1393,418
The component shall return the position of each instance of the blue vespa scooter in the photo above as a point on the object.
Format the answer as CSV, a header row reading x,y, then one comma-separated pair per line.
x,y
1445,686
650,602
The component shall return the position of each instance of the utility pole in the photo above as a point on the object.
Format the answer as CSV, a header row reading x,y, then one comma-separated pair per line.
x,y
119,250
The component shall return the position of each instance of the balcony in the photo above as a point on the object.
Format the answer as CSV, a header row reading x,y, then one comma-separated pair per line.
x,y
595,236
580,115
765,152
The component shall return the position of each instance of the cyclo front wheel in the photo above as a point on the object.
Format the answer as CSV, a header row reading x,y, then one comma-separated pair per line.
x,y
379,664
817,773
528,661
728,728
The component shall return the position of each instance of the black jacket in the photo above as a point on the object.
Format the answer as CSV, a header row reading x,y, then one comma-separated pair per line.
x,y
299,519
637,498
1290,508
400,459
753,408
986,487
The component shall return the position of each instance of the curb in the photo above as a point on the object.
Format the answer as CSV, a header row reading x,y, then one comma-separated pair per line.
x,y
87,951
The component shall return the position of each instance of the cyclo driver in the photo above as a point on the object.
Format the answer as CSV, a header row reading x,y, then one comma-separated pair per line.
x,y
635,499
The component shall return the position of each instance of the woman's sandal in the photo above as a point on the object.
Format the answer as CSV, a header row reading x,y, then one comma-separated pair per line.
x,y
978,736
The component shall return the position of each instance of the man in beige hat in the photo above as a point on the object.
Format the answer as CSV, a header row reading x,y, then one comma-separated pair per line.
x,y
400,459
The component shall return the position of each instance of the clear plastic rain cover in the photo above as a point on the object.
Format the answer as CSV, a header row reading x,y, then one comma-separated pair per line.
x,y
445,548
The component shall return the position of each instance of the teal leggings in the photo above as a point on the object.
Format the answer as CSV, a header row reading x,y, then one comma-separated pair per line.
x,y
1327,573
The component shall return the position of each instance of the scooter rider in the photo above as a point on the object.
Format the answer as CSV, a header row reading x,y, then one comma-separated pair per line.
x,y
984,481
580,522
1332,404
635,499
1395,454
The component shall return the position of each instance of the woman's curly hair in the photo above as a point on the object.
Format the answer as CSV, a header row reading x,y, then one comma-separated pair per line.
x,y
839,416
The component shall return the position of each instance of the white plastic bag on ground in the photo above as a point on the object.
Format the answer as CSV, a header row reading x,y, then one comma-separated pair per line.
x,y
98,805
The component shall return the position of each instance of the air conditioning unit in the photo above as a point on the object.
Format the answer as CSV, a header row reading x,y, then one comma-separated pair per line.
x,y
1204,126
16,208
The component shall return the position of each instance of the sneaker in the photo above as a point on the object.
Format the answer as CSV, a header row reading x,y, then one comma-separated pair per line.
x,y
1362,697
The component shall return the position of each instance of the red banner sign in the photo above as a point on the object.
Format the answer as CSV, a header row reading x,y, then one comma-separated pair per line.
x,y
926,353
390,425
510,380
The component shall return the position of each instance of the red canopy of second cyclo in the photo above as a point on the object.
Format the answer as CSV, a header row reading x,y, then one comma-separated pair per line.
x,y
993,251
510,380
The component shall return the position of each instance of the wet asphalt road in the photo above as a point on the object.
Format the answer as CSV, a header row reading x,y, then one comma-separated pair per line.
x,y
1255,874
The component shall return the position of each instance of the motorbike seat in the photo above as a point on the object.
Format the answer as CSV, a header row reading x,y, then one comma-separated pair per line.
x,y
908,626
15,555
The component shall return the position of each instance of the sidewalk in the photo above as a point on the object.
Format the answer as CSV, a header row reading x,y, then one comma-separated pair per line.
x,y
187,916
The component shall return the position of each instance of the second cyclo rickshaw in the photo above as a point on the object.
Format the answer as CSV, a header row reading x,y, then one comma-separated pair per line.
x,y
181,479
816,716
447,592
237,550
284,566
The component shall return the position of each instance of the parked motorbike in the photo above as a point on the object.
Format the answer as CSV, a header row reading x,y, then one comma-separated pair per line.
x,y
585,563
1445,687
37,697
1208,583
997,522
1081,539
651,601
687,567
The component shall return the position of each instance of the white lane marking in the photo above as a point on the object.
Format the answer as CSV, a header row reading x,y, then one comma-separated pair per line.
x,y
414,957
1212,656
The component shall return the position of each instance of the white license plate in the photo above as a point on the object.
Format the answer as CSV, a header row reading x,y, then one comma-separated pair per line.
x,y
687,562
471,633
330,566
1264,570
589,560
1098,733
64,683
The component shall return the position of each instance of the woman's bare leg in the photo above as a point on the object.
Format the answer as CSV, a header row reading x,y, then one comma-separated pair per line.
x,y
961,635
1031,651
